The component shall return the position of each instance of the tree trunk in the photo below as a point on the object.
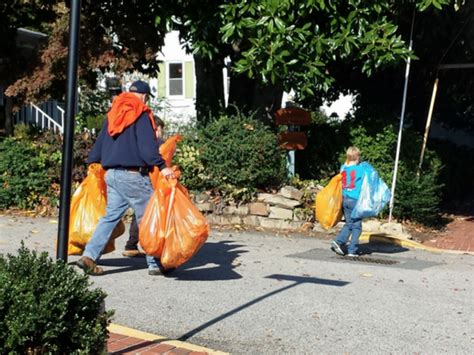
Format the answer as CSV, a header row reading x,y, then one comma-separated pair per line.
x,y
209,88
247,96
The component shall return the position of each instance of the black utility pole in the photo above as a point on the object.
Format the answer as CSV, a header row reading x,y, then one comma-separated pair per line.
x,y
71,96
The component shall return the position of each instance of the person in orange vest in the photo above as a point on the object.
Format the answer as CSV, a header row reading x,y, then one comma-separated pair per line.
x,y
127,148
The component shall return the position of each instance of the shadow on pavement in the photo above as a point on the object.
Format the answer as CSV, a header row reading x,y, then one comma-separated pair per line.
x,y
296,280
222,253
378,247
123,264
201,267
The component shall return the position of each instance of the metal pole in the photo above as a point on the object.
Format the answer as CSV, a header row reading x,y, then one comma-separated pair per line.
x,y
66,172
402,117
290,162
428,124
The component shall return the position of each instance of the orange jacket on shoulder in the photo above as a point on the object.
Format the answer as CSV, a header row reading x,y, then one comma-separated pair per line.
x,y
126,109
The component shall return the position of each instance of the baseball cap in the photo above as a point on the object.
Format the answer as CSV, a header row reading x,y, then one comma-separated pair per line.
x,y
140,87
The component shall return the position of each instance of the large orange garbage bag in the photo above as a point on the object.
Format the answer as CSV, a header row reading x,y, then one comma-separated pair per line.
x,y
172,228
87,207
329,203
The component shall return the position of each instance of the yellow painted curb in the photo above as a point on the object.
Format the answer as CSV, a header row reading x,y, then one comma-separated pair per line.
x,y
122,330
406,243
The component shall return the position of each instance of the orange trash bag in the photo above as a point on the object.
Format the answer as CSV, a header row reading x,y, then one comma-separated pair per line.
x,y
167,150
172,228
87,207
329,203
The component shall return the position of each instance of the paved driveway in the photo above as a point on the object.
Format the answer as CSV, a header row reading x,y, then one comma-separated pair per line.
x,y
263,293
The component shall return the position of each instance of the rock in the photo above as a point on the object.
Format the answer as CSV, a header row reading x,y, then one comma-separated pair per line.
x,y
215,219
280,213
240,210
201,197
371,225
291,192
205,206
318,229
391,228
263,196
258,208
232,219
279,201
251,221
395,229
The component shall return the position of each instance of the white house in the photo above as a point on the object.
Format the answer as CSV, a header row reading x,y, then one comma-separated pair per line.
x,y
175,87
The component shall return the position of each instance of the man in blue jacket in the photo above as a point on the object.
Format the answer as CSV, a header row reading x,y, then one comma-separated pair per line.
x,y
127,148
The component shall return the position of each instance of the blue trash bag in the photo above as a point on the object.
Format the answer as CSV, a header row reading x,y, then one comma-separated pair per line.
x,y
374,194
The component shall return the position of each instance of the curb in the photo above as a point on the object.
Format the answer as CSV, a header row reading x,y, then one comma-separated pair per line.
x,y
122,330
406,243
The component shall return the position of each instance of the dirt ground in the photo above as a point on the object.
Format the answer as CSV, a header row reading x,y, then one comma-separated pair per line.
x,y
457,231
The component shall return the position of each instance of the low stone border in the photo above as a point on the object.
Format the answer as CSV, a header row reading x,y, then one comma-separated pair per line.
x,y
282,210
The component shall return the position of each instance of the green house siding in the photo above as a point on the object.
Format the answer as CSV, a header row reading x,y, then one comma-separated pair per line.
x,y
162,80
188,80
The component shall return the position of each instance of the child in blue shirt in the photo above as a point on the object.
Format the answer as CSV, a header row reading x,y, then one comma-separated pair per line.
x,y
352,176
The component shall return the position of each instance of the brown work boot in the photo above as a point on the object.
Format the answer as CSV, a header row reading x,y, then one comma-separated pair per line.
x,y
89,266
132,253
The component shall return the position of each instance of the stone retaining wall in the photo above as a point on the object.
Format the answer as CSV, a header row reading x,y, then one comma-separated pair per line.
x,y
283,210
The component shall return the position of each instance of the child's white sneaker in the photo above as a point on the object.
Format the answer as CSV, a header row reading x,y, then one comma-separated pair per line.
x,y
335,247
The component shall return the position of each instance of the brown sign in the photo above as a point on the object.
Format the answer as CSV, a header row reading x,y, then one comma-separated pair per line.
x,y
293,116
292,140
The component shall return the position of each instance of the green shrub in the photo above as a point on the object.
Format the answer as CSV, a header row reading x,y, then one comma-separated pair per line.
x,y
233,153
188,158
416,198
24,173
321,157
30,167
48,307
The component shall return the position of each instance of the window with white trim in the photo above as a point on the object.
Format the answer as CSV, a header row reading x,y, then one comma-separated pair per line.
x,y
175,79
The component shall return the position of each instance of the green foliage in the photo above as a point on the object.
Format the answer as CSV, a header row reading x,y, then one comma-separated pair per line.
x,y
25,172
93,107
242,152
233,154
49,307
416,198
294,42
188,158
30,167
458,172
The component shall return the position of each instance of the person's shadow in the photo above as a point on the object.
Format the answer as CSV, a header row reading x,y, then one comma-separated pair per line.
x,y
214,261
221,255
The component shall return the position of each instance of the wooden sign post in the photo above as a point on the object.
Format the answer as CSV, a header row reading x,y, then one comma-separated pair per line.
x,y
293,139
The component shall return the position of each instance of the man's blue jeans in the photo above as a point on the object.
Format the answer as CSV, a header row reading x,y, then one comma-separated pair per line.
x,y
352,226
124,189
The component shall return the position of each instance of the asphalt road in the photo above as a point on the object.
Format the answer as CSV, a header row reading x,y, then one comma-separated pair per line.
x,y
264,293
